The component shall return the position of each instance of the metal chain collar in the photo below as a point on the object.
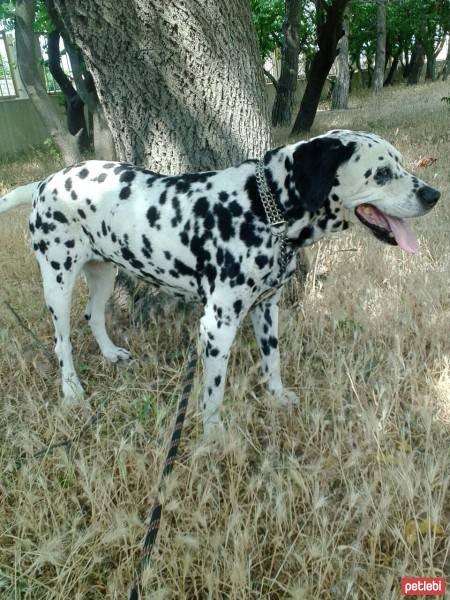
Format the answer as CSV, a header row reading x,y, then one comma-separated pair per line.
x,y
274,216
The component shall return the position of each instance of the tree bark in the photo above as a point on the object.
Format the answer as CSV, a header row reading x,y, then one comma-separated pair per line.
x,y
181,82
339,98
430,73
380,56
329,31
103,140
287,84
446,69
416,63
27,62
76,121
392,70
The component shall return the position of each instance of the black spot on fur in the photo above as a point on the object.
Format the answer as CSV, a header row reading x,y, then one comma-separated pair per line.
x,y
55,265
201,207
68,184
42,246
251,189
182,268
125,192
261,260
83,173
237,307
235,208
127,176
247,233
68,263
176,220
383,175
130,257
58,216
153,215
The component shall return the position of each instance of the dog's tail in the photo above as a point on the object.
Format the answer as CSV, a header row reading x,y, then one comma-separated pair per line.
x,y
21,195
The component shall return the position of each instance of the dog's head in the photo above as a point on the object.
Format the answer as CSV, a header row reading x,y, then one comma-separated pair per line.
x,y
359,172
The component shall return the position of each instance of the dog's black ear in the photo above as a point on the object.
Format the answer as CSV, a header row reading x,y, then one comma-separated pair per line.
x,y
315,166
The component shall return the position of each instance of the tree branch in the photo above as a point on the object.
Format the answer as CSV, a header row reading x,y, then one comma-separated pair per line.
x,y
269,75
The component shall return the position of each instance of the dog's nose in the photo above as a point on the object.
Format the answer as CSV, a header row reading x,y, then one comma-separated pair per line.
x,y
428,196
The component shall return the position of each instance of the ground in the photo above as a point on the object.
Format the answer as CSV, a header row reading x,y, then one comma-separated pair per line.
x,y
336,499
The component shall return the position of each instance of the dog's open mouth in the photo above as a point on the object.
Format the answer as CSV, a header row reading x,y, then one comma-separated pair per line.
x,y
390,230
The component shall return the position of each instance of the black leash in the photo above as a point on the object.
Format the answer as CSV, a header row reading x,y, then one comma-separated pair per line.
x,y
155,519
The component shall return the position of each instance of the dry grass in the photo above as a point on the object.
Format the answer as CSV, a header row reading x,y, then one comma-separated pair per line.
x,y
335,500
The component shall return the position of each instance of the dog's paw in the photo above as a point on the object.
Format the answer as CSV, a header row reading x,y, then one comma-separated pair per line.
x,y
117,354
286,398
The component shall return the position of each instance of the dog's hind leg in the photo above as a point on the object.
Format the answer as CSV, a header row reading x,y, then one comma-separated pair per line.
x,y
58,285
100,278
265,323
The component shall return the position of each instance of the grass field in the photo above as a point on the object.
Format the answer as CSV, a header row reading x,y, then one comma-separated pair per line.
x,y
337,499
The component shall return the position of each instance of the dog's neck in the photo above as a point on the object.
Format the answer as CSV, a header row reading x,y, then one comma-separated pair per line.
x,y
280,181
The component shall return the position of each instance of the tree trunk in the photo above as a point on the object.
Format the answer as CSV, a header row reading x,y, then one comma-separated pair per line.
x,y
380,56
329,31
180,82
27,62
430,73
392,70
446,69
407,64
362,73
287,84
103,140
416,64
76,121
339,98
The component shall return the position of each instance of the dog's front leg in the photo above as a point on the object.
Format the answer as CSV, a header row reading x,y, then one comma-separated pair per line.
x,y
218,328
265,323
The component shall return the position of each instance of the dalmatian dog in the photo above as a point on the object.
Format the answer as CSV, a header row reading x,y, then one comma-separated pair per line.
x,y
225,238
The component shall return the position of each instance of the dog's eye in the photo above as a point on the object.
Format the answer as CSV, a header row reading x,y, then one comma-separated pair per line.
x,y
383,175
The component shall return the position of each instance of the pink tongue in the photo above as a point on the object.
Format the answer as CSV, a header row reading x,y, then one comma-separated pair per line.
x,y
403,234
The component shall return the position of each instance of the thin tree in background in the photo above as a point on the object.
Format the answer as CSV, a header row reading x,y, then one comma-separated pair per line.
x,y
446,69
27,62
76,123
287,83
416,63
339,97
380,56
329,31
